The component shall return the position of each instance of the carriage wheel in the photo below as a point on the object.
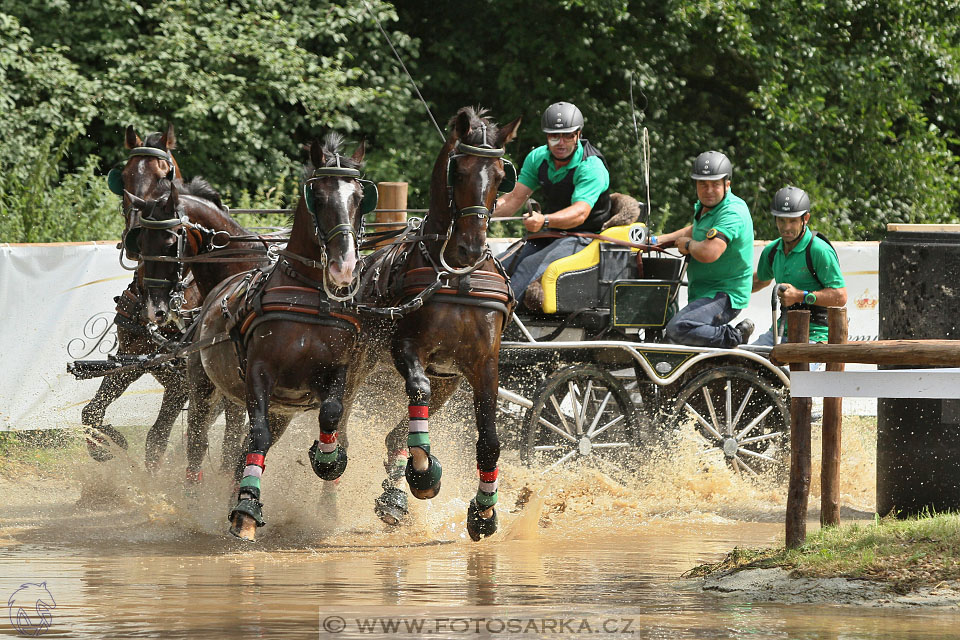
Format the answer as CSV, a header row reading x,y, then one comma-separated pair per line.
x,y
580,413
742,416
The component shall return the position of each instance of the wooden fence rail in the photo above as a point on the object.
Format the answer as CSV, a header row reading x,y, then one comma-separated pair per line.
x,y
798,353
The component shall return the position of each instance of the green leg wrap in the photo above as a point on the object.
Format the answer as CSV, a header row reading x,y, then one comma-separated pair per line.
x,y
478,526
328,466
485,499
421,440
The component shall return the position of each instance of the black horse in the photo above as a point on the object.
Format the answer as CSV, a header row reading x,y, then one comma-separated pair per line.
x,y
456,333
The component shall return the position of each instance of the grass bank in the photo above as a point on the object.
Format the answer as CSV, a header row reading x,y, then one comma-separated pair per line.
x,y
38,451
905,554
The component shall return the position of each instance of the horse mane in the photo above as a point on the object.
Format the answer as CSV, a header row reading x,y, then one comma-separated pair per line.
x,y
477,122
200,188
331,145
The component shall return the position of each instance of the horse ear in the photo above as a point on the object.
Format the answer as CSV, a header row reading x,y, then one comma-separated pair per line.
x,y
508,132
316,153
169,139
132,139
173,201
462,124
359,151
136,200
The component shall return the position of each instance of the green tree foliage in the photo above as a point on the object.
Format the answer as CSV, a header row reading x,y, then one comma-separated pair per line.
x,y
854,101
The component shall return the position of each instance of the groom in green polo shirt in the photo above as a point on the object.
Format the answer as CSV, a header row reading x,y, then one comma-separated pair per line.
x,y
803,263
719,245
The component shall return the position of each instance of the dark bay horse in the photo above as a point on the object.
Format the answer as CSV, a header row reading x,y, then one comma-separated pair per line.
x,y
456,333
291,338
148,162
180,237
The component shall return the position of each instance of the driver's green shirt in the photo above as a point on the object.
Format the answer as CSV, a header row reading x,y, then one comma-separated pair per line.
x,y
732,272
589,182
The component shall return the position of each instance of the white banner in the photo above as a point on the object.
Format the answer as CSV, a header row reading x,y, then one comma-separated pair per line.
x,y
58,298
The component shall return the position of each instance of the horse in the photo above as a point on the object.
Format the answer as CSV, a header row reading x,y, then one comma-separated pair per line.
x,y
148,162
281,339
456,332
179,237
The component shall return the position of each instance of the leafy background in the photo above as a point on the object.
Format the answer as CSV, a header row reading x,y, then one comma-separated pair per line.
x,y
854,101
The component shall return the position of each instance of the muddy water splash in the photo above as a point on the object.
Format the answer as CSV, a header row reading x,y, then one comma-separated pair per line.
x,y
127,554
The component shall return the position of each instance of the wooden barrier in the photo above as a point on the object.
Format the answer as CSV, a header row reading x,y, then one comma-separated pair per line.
x,y
798,353
831,427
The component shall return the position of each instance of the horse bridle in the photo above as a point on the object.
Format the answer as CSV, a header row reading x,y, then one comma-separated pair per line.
x,y
115,184
181,226
326,236
459,150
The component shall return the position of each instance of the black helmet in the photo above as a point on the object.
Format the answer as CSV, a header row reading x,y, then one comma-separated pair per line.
x,y
712,165
561,117
790,202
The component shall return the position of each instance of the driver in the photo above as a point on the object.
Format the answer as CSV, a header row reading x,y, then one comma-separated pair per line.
x,y
574,181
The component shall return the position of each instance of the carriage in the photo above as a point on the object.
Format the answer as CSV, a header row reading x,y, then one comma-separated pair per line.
x,y
589,378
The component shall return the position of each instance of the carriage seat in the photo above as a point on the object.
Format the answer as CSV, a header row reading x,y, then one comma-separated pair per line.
x,y
580,280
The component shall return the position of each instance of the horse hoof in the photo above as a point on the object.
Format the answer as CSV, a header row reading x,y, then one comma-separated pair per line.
x,y
98,444
478,526
391,505
424,484
328,470
243,527
245,517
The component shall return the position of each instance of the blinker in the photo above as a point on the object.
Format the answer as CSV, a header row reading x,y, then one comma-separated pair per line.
x,y
115,181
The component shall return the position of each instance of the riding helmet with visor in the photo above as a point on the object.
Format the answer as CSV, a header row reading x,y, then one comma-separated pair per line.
x,y
712,165
561,117
790,202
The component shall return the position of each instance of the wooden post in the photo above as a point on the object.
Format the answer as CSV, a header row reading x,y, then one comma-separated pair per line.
x,y
832,427
393,195
798,332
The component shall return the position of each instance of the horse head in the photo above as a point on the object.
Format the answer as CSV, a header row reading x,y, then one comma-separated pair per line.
x,y
329,217
148,162
468,174
164,237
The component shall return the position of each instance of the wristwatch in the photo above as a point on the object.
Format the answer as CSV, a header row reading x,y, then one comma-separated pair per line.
x,y
809,297
546,223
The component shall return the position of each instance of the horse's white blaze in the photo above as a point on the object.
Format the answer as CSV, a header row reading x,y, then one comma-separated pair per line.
x,y
341,272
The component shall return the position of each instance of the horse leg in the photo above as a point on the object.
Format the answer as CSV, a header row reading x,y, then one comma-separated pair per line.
x,y
204,407
247,514
235,417
423,470
391,505
481,514
111,388
174,397
327,457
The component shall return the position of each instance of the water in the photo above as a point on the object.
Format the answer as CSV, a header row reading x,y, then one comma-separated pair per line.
x,y
590,553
